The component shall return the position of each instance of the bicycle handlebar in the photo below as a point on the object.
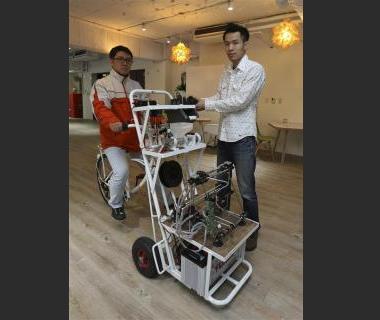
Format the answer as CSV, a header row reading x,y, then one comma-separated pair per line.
x,y
125,126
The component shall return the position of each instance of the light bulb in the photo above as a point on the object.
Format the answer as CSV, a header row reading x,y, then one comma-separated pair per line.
x,y
230,6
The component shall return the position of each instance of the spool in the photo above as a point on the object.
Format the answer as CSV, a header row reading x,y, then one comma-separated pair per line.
x,y
170,174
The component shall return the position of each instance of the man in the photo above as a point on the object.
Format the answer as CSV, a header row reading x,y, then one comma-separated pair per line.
x,y
109,97
236,101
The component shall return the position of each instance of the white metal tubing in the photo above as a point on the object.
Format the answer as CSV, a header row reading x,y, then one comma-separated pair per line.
x,y
167,106
153,193
138,130
235,282
138,160
175,273
235,290
146,118
175,152
155,171
148,171
152,188
148,91
208,271
168,249
151,211
163,263
164,197
224,277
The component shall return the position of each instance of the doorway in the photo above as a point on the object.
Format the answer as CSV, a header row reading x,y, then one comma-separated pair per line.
x,y
139,76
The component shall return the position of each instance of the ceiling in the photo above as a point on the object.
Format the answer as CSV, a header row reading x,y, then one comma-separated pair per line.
x,y
165,18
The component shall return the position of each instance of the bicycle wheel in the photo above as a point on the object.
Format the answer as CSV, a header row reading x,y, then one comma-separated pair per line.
x,y
103,175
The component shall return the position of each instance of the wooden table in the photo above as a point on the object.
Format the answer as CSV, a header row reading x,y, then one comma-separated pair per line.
x,y
286,127
201,123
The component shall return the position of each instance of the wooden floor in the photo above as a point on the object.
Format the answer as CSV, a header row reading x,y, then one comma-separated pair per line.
x,y
105,285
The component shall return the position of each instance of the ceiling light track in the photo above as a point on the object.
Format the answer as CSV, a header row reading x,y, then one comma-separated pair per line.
x,y
224,2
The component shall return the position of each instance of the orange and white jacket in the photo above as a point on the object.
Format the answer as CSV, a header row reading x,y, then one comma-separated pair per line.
x,y
110,100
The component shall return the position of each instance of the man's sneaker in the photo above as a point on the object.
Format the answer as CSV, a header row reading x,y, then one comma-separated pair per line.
x,y
251,243
118,213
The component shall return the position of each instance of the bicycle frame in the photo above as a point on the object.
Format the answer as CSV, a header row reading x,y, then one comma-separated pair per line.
x,y
128,190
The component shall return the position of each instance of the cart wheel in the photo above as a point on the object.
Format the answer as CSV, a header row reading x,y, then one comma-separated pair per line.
x,y
142,254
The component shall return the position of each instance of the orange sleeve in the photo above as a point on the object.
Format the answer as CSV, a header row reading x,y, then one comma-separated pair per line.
x,y
103,112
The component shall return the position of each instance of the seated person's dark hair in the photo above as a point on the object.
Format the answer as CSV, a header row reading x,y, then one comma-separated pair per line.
x,y
233,27
116,49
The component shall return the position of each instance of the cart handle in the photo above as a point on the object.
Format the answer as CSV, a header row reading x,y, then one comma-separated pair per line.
x,y
125,126
148,91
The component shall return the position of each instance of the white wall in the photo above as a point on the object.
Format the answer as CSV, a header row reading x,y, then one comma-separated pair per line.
x,y
284,79
284,74
202,82
87,36
174,72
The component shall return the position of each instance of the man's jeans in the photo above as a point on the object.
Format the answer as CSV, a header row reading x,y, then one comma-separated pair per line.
x,y
242,154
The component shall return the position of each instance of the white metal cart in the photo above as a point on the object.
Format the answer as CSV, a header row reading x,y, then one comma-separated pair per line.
x,y
192,256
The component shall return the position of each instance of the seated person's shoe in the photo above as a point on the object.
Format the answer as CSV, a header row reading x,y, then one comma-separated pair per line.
x,y
118,213
251,243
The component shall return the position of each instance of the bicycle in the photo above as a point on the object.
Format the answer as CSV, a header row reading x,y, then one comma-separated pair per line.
x,y
104,173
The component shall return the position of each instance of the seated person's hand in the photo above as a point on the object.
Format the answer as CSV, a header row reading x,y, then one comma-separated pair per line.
x,y
116,126
200,106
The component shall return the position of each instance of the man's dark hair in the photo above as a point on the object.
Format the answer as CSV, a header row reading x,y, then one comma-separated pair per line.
x,y
116,49
233,27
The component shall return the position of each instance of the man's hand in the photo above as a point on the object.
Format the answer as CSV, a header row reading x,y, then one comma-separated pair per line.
x,y
116,126
200,106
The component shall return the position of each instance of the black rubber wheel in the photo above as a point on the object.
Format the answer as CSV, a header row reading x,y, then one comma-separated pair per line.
x,y
142,254
102,176
170,174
